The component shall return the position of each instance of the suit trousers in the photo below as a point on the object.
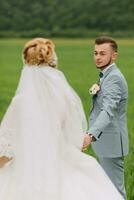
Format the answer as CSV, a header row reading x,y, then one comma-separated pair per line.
x,y
114,168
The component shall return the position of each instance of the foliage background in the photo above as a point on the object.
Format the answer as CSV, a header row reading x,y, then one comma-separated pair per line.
x,y
66,18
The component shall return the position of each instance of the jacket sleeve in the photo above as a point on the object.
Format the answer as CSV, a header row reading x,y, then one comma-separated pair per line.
x,y
111,98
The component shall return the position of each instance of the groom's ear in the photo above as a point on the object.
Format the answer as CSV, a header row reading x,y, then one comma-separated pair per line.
x,y
114,56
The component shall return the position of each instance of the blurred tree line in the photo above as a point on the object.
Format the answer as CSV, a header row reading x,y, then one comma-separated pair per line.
x,y
66,18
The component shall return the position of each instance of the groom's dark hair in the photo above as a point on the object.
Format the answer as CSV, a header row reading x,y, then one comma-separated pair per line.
x,y
109,40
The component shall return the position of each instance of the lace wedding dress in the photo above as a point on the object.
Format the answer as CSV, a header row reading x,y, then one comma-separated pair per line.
x,y
43,131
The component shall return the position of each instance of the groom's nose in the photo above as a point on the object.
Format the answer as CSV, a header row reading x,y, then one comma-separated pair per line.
x,y
97,57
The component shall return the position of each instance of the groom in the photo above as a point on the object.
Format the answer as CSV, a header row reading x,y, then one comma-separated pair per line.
x,y
108,123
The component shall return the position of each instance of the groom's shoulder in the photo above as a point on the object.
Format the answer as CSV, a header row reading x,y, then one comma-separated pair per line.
x,y
119,76
116,72
116,76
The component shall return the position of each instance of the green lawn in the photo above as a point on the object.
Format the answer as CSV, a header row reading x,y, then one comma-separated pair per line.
x,y
75,60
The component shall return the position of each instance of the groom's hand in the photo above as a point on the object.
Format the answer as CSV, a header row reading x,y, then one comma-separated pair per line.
x,y
87,141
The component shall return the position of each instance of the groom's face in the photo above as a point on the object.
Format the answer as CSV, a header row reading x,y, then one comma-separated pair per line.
x,y
104,55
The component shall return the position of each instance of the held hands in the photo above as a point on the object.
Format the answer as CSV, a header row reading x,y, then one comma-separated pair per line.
x,y
87,141
4,160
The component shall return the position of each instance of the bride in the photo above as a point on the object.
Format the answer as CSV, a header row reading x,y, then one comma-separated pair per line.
x,y
41,137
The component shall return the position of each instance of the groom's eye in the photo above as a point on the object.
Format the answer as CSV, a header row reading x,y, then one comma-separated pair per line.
x,y
102,53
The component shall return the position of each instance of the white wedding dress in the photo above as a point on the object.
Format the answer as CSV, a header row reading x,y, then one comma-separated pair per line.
x,y
43,131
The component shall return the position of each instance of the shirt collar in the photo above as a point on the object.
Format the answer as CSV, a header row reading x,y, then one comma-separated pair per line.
x,y
104,70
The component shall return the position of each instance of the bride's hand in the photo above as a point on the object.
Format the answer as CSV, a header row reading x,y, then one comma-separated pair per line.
x,y
4,160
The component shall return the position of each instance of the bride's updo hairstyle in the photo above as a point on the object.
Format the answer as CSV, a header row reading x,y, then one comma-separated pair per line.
x,y
40,51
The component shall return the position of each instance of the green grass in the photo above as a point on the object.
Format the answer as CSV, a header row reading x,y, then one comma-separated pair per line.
x,y
75,60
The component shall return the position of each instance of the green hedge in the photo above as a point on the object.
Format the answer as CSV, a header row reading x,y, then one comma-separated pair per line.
x,y
69,33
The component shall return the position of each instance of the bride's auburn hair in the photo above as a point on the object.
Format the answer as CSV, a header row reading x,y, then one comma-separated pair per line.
x,y
40,51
